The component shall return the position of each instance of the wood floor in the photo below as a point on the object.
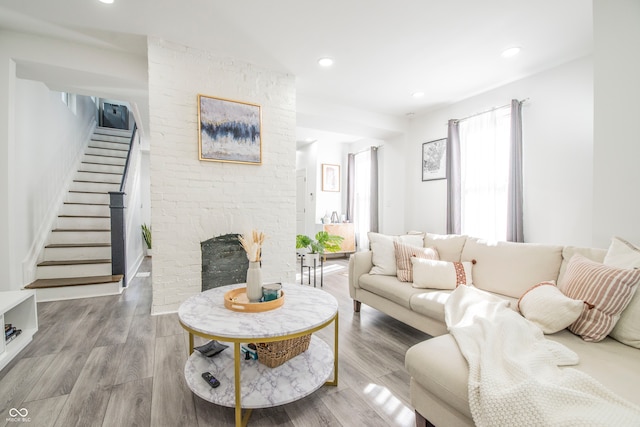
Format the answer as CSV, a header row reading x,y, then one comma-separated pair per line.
x,y
107,362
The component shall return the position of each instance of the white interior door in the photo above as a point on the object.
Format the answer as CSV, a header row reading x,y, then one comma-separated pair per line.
x,y
301,200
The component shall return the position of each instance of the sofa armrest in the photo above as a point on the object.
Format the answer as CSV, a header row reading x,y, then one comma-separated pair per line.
x,y
359,264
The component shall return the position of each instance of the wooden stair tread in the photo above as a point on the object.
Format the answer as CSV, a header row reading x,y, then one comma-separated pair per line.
x,y
96,182
73,281
78,245
84,216
105,148
86,204
88,192
81,230
101,164
74,262
105,173
104,155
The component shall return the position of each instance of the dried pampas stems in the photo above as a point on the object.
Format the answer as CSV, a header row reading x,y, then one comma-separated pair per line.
x,y
252,245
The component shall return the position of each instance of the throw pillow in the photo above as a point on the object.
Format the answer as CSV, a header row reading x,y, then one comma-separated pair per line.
x,y
383,254
404,253
605,290
548,308
434,274
623,254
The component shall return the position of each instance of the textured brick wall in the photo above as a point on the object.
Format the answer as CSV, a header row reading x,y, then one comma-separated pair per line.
x,y
191,200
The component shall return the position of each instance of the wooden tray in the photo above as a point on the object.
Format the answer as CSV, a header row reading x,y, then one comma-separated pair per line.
x,y
236,300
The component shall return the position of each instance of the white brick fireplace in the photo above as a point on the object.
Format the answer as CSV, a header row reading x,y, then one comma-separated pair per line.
x,y
192,200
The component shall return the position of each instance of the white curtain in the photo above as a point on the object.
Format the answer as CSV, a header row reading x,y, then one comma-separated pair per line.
x,y
484,152
362,199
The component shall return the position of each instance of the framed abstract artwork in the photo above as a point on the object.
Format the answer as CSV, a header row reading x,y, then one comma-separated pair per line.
x,y
229,131
330,177
434,160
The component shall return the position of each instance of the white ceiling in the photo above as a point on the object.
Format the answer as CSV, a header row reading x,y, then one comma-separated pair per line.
x,y
383,50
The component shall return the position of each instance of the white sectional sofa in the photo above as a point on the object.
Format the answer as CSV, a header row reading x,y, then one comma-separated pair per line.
x,y
439,372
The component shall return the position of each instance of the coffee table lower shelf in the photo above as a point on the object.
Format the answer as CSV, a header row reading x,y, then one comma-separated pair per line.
x,y
261,386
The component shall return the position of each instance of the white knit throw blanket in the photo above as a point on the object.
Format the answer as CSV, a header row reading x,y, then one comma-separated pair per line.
x,y
514,373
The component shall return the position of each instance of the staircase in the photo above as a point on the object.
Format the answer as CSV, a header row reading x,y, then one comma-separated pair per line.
x,y
77,256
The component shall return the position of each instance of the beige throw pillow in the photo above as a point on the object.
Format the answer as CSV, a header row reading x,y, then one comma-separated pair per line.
x,y
404,253
383,254
623,254
433,274
605,290
548,308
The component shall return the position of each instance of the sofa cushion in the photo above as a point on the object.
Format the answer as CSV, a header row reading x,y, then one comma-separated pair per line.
x,y
430,302
605,290
509,268
383,253
404,254
623,254
449,246
594,254
438,366
435,274
548,308
389,287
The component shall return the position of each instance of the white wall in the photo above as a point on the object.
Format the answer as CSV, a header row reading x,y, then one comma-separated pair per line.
x,y
49,142
329,201
616,205
557,150
306,158
192,200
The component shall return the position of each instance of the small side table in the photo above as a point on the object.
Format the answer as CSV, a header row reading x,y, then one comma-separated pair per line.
x,y
308,267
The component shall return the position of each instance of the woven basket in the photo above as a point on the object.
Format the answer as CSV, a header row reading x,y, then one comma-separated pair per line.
x,y
275,353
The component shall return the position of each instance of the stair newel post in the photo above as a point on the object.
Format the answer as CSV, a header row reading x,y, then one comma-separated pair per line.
x,y
118,240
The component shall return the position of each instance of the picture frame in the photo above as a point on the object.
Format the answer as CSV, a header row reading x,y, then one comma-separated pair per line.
x,y
434,160
229,131
330,177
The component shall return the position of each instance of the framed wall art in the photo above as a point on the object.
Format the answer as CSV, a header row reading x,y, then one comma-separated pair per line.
x,y
330,177
229,131
434,160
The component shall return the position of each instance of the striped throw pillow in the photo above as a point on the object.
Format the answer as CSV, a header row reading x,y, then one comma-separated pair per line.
x,y
404,268
605,290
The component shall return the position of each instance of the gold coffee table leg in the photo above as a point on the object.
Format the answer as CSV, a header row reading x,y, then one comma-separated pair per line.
x,y
335,353
236,374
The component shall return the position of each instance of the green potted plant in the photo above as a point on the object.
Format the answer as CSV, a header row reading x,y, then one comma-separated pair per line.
x,y
311,249
146,235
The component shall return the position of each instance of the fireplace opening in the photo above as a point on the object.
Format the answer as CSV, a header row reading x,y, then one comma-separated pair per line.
x,y
224,262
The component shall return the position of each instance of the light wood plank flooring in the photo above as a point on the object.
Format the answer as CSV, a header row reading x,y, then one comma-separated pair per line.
x,y
107,362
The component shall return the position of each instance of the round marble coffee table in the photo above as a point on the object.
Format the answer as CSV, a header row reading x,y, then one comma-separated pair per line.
x,y
305,310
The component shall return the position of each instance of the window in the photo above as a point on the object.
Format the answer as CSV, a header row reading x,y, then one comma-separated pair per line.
x,y
362,199
484,174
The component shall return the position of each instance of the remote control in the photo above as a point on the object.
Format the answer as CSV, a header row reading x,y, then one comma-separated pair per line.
x,y
213,382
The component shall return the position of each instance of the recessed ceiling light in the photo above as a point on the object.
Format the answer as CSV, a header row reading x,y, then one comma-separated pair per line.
x,y
417,94
106,1
511,52
325,62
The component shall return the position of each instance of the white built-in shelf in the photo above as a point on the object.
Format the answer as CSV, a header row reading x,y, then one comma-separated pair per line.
x,y
19,309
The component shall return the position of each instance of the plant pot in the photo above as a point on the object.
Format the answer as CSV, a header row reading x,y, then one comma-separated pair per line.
x,y
149,252
308,260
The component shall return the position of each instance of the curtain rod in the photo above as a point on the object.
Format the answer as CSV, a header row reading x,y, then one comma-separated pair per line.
x,y
488,111
367,149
